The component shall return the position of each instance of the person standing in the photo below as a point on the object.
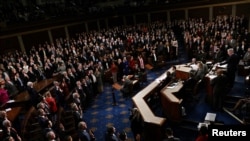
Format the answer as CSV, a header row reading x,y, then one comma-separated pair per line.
x,y
232,64
114,70
136,124
83,134
98,76
34,95
219,89
111,134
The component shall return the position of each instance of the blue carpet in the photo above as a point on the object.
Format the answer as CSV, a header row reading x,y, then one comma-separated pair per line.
x,y
102,113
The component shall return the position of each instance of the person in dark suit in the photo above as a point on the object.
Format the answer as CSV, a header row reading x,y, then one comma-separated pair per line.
x,y
80,91
188,86
34,95
57,94
154,58
126,86
31,74
232,64
42,118
110,134
136,124
219,89
21,86
83,134
11,87
39,74
77,114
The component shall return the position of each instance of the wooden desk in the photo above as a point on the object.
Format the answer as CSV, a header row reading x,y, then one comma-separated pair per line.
x,y
153,125
207,79
243,69
209,88
182,72
13,113
170,103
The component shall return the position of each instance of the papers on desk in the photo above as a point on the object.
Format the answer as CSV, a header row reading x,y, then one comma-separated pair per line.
x,y
10,101
212,76
194,67
209,62
172,85
8,109
222,66
210,117
246,67
202,124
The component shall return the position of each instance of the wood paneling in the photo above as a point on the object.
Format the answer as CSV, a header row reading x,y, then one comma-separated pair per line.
x,y
58,33
9,45
92,25
115,21
102,24
75,29
129,20
177,15
198,13
222,10
35,39
162,16
141,18
243,9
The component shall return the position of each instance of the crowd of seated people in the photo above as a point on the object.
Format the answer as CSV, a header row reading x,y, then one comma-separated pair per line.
x,y
77,59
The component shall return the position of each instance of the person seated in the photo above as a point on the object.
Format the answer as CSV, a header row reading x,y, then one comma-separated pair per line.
x,y
126,87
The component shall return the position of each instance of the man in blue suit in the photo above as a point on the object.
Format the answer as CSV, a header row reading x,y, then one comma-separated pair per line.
x,y
83,134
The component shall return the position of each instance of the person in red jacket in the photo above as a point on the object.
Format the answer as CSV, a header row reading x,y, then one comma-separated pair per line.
x,y
52,105
203,134
4,96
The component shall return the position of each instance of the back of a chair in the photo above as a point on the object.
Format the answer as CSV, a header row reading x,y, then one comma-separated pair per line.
x,y
197,87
